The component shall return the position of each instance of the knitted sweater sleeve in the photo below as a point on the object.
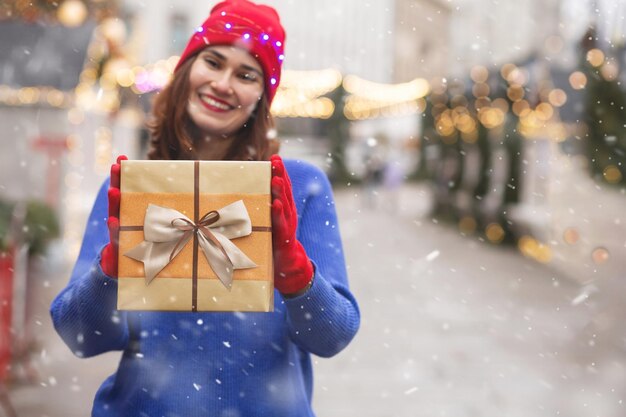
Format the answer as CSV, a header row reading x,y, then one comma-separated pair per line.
x,y
325,319
84,313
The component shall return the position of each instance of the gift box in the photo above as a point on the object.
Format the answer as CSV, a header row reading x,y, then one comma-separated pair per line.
x,y
195,236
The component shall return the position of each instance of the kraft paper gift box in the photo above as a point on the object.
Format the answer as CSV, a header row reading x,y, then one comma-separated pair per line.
x,y
195,236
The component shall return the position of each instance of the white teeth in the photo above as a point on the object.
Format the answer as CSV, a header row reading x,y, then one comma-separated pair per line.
x,y
214,103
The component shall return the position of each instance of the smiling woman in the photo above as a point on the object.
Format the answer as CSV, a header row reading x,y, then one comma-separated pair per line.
x,y
199,364
226,86
228,75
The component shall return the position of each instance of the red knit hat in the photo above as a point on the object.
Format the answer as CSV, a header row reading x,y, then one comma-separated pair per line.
x,y
248,25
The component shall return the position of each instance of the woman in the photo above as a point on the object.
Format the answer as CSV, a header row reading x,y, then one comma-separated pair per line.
x,y
219,364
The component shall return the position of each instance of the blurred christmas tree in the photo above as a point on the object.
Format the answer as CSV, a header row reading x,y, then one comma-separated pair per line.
x,y
38,226
6,210
605,112
338,131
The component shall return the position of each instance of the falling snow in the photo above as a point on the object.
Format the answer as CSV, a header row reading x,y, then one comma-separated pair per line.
x,y
473,303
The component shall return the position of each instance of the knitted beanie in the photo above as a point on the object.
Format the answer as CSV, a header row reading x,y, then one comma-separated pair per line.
x,y
251,26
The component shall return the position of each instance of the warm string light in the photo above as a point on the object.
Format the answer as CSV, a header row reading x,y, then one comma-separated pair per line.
x,y
368,99
356,109
318,108
311,83
35,96
362,88
300,94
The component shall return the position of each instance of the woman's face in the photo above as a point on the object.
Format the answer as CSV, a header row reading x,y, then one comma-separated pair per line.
x,y
226,84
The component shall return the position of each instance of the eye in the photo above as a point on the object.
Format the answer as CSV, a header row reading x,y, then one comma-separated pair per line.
x,y
248,76
211,62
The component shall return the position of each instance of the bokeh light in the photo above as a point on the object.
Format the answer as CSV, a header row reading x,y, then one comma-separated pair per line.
x,y
554,44
72,13
520,107
506,70
571,236
467,225
532,248
495,233
515,92
578,80
612,174
595,57
480,90
557,97
600,255
479,74
610,71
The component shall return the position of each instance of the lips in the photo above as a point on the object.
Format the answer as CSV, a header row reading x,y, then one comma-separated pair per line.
x,y
214,104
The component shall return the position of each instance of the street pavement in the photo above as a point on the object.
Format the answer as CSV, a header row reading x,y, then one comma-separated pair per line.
x,y
451,326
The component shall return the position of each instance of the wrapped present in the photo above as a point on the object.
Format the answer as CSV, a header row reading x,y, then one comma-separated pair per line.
x,y
195,236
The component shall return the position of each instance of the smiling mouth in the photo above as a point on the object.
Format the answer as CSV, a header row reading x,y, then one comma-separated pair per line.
x,y
214,104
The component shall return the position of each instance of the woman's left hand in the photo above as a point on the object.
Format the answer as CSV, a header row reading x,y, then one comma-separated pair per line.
x,y
293,270
108,258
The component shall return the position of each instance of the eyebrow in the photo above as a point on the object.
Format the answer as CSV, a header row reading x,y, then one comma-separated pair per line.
x,y
244,66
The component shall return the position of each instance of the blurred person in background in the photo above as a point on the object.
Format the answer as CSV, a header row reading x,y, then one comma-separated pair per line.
x,y
219,364
393,178
375,164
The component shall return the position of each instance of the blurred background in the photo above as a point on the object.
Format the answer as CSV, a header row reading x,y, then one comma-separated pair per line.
x,y
478,153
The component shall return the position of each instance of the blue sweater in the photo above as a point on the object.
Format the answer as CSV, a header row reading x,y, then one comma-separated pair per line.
x,y
214,364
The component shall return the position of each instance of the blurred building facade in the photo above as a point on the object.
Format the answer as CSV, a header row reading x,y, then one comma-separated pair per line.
x,y
42,65
61,125
484,33
422,39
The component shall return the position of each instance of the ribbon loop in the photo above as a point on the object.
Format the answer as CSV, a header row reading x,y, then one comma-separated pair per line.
x,y
186,226
167,231
209,218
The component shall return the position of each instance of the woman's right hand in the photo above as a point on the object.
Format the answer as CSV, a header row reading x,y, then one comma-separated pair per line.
x,y
108,259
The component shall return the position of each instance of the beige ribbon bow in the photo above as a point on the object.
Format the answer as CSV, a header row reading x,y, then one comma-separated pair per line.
x,y
167,231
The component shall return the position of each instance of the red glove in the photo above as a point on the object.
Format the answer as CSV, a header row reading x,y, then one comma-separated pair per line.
x,y
293,270
108,259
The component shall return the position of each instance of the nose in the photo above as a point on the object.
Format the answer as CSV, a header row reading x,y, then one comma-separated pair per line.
x,y
222,84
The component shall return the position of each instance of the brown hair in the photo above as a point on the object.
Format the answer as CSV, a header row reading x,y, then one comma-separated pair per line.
x,y
172,130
